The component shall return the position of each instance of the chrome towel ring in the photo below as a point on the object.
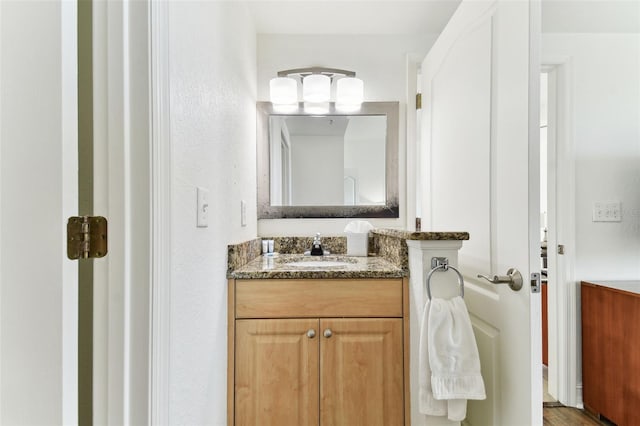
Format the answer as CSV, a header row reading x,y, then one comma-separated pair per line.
x,y
445,268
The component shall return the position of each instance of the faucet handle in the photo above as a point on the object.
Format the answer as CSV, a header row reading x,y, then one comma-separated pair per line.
x,y
316,247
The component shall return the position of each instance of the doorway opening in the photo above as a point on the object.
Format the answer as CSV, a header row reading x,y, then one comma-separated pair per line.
x,y
557,202
547,398
561,313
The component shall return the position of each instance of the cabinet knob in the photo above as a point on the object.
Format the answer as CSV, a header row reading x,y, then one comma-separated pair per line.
x,y
311,333
328,333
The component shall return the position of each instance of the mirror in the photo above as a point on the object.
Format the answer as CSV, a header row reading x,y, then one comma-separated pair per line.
x,y
332,164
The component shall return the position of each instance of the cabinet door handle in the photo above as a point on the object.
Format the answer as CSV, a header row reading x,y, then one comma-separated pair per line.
x,y
311,333
328,333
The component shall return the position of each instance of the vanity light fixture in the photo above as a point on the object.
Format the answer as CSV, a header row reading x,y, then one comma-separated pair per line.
x,y
349,93
284,91
316,87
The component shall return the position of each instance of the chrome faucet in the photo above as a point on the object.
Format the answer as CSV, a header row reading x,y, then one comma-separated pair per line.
x,y
316,247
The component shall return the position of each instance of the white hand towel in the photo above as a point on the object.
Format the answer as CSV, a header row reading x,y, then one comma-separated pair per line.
x,y
427,403
453,355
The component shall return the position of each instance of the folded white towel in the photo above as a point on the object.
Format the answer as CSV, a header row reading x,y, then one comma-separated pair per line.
x,y
449,363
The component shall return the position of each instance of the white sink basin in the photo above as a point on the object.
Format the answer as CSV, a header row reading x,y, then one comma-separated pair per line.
x,y
317,264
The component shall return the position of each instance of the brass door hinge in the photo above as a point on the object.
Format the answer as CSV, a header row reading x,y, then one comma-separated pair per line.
x,y
86,237
418,100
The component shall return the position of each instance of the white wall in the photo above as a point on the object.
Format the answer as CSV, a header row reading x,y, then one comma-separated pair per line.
x,y
213,128
364,154
380,60
317,169
606,135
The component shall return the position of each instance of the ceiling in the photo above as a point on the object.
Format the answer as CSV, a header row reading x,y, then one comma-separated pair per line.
x,y
385,17
351,17
316,126
358,126
591,16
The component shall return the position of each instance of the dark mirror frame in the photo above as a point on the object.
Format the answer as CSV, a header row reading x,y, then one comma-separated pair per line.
x,y
389,210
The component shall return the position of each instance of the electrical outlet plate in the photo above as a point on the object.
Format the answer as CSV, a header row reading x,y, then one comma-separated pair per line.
x,y
243,213
607,211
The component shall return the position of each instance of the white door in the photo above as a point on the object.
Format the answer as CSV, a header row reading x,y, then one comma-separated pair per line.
x,y
480,174
38,192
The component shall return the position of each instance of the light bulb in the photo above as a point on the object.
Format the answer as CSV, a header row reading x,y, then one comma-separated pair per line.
x,y
283,91
350,92
316,88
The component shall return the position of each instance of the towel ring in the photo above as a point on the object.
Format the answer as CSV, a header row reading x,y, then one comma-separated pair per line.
x,y
445,268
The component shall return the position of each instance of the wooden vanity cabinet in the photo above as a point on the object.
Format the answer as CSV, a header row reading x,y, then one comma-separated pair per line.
x,y
276,377
611,353
320,366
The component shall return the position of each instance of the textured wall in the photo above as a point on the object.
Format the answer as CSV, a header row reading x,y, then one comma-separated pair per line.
x,y
212,84
606,134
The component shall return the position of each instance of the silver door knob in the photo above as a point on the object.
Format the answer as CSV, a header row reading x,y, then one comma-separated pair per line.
x,y
513,278
328,333
311,333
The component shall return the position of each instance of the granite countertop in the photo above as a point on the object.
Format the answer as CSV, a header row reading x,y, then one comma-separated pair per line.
x,y
631,286
279,266
422,236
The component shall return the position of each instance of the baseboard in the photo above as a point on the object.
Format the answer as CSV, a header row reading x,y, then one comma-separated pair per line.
x,y
579,401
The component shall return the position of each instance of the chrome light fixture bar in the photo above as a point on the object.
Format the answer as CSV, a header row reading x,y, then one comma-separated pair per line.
x,y
316,87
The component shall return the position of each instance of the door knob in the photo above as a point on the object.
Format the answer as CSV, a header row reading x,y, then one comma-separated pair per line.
x,y
311,333
328,333
513,278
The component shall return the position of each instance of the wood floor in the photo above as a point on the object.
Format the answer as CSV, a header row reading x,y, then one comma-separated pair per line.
x,y
568,416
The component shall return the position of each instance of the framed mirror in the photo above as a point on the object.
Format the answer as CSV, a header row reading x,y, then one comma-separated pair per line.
x,y
329,164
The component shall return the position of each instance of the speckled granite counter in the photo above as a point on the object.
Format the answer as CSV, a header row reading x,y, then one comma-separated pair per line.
x,y
392,243
389,256
274,267
409,235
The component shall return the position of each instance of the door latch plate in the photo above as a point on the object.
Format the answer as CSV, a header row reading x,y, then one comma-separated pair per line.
x,y
535,282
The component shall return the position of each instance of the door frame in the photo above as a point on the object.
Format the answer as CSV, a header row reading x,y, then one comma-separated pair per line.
x,y
564,338
160,327
122,188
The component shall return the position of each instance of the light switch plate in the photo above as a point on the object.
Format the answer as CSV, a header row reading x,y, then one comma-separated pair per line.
x,y
203,208
607,211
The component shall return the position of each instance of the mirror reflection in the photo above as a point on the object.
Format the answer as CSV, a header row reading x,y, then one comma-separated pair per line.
x,y
329,164
327,160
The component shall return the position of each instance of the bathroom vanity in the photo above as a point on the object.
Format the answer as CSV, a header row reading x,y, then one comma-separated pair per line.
x,y
611,350
317,344
326,340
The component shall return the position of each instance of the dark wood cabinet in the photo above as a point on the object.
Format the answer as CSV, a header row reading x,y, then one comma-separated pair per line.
x,y
611,351
545,325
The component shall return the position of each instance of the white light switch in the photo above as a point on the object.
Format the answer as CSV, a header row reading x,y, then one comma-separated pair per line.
x,y
607,211
203,208
243,213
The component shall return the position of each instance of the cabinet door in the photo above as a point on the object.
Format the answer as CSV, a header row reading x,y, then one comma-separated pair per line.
x,y
361,372
545,326
276,379
593,352
602,355
631,350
